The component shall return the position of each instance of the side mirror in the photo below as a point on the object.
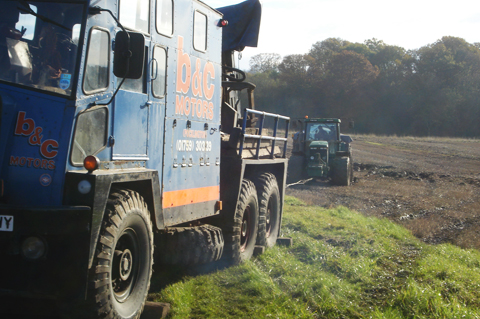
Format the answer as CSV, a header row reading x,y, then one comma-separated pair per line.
x,y
129,55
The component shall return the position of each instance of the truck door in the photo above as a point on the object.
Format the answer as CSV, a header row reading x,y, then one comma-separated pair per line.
x,y
157,92
131,108
131,120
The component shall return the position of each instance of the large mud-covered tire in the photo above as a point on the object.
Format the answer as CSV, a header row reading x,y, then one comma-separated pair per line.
x,y
240,229
269,209
351,170
342,171
187,246
123,260
296,169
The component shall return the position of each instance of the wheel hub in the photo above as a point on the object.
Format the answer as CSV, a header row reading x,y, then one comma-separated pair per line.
x,y
245,230
268,217
126,263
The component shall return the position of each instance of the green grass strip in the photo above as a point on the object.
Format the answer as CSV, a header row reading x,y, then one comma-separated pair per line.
x,y
341,265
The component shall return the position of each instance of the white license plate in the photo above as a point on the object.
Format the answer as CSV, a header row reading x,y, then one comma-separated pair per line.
x,y
6,223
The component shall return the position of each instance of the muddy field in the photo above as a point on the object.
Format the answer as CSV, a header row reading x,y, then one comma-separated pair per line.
x,y
429,185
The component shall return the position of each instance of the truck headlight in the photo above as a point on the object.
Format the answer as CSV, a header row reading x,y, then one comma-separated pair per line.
x,y
312,157
84,187
33,248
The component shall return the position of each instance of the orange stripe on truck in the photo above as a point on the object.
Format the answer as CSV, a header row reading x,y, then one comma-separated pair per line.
x,y
190,196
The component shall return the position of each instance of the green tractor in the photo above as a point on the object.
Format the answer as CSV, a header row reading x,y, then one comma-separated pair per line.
x,y
320,151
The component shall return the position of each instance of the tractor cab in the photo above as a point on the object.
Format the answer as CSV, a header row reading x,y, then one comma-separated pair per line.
x,y
322,151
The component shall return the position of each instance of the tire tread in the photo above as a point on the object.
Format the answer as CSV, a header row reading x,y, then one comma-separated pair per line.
x,y
267,185
119,203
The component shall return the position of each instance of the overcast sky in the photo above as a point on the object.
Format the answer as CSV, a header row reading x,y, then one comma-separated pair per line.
x,y
292,26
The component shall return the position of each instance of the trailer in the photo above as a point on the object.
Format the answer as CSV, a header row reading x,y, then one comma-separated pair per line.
x,y
122,130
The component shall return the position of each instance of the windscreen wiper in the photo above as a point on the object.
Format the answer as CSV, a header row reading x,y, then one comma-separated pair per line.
x,y
29,10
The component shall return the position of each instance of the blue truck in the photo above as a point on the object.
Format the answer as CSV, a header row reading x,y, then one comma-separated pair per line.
x,y
122,130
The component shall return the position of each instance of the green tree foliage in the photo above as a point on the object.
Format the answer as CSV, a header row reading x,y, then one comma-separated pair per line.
x,y
323,51
321,54
265,62
294,68
385,89
348,71
447,83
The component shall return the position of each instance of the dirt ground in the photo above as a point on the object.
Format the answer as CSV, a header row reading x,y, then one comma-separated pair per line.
x,y
429,185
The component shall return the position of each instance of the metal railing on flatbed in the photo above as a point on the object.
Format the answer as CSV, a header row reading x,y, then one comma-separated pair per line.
x,y
261,137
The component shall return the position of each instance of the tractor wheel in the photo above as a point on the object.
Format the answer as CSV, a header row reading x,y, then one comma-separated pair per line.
x,y
269,209
296,169
240,230
351,170
124,256
187,246
342,169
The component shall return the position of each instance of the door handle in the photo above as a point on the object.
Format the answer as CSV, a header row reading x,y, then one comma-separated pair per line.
x,y
154,69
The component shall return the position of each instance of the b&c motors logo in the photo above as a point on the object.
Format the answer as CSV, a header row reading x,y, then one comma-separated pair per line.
x,y
48,148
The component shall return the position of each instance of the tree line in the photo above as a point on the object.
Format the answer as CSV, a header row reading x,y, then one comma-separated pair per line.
x,y
383,89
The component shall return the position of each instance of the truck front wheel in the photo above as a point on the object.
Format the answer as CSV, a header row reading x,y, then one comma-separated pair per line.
x,y
240,232
269,209
123,263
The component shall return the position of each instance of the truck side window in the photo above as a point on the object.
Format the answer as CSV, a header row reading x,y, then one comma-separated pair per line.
x,y
134,14
165,17
90,134
97,66
200,31
159,71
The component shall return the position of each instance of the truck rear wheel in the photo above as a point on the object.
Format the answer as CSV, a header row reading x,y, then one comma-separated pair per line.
x,y
269,209
124,257
342,171
189,245
240,230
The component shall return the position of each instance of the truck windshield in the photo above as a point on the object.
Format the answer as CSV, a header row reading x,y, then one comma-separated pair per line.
x,y
39,44
321,132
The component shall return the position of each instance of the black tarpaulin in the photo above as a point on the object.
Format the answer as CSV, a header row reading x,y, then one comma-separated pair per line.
x,y
243,25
